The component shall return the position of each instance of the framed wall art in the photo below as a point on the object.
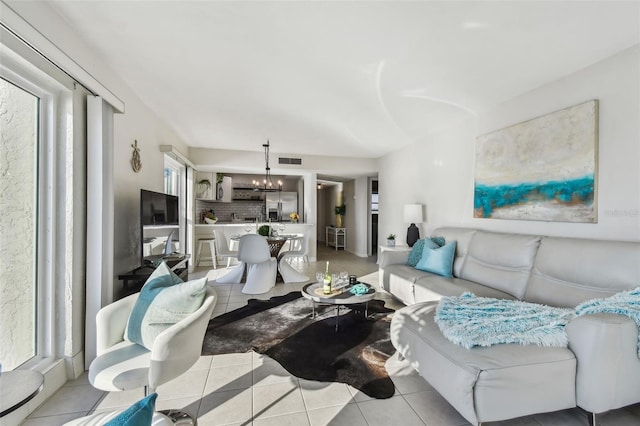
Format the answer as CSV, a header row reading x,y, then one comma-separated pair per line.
x,y
541,169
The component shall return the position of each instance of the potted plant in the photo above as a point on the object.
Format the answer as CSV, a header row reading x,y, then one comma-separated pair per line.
x,y
391,240
264,230
340,211
209,217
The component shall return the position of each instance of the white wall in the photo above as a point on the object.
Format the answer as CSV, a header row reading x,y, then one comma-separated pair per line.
x,y
228,160
439,171
137,123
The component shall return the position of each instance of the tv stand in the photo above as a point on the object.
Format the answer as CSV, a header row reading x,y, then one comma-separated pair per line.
x,y
134,279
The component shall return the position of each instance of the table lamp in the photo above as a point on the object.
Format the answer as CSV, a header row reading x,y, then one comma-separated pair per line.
x,y
413,215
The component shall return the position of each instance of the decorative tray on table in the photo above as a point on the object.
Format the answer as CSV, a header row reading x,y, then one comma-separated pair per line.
x,y
334,292
356,289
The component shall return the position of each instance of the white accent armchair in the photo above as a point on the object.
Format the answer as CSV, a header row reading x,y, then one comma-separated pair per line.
x,y
122,365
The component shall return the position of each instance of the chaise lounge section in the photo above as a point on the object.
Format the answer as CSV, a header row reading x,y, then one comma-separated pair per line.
x,y
598,371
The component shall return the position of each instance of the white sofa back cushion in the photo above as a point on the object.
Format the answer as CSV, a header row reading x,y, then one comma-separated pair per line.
x,y
501,261
463,237
568,271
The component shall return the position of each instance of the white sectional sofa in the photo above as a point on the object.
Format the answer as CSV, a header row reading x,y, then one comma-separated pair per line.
x,y
599,371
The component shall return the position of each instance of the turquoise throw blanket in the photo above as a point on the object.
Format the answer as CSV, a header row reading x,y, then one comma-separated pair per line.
x,y
471,321
625,303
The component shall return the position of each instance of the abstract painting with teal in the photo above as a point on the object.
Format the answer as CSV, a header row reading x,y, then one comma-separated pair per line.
x,y
574,191
543,169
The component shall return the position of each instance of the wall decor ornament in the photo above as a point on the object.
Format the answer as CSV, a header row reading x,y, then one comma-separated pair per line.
x,y
541,169
136,161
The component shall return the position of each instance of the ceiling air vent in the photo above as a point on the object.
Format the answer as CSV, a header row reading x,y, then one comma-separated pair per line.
x,y
285,160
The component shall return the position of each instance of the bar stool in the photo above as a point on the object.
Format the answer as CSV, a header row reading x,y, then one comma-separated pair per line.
x,y
212,250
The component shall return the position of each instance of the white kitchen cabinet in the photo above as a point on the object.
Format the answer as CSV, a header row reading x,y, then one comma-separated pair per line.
x,y
208,189
205,186
224,191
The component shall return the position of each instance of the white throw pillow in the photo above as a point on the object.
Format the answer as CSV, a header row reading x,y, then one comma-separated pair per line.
x,y
164,300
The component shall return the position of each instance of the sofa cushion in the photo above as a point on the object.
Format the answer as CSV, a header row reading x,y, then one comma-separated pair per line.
x,y
432,288
463,237
501,261
485,384
568,271
438,260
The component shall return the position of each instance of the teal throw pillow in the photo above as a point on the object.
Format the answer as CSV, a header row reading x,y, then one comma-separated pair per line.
x,y
164,300
139,414
438,240
438,260
416,251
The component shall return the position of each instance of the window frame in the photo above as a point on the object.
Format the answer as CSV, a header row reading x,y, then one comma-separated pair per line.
x,y
177,170
53,107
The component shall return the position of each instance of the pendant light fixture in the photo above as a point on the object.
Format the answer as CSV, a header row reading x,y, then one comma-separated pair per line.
x,y
267,185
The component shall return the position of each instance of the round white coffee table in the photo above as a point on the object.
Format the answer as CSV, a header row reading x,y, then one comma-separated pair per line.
x,y
338,298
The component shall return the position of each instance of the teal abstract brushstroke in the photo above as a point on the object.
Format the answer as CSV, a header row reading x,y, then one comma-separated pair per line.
x,y
572,191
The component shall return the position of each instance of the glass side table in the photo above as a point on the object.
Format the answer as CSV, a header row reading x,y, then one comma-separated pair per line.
x,y
17,388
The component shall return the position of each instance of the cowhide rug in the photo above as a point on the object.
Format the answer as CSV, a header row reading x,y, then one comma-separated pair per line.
x,y
283,329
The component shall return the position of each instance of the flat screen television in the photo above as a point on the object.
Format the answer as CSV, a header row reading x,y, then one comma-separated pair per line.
x,y
160,226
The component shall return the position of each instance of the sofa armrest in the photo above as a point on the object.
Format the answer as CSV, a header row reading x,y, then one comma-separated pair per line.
x,y
608,366
390,257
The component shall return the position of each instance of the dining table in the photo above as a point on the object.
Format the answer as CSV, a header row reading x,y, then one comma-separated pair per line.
x,y
276,243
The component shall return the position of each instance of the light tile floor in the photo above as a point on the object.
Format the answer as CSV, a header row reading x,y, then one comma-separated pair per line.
x,y
252,389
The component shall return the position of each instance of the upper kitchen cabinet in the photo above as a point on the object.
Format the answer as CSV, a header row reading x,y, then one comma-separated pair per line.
x,y
213,187
205,185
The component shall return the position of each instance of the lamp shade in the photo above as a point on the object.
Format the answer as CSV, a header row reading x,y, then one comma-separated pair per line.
x,y
413,213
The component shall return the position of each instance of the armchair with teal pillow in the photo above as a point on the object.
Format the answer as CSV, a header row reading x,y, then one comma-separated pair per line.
x,y
163,301
167,350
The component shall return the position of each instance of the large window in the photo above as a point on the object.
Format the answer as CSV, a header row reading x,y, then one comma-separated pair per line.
x,y
36,212
175,178
19,118
172,172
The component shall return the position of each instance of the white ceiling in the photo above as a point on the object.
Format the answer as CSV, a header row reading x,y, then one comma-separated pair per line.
x,y
355,78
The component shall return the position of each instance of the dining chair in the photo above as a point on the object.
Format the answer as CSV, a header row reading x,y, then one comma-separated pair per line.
x,y
255,259
288,273
222,247
299,249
